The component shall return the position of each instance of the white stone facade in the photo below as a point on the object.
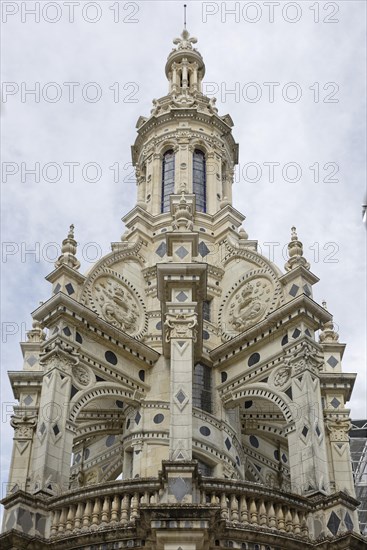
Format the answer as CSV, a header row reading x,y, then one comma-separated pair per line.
x,y
179,395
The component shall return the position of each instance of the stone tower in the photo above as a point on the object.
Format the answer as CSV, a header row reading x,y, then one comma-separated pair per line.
x,y
175,397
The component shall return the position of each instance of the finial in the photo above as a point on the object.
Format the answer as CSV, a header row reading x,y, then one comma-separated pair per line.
x,y
185,7
242,233
68,249
36,334
328,334
295,252
185,42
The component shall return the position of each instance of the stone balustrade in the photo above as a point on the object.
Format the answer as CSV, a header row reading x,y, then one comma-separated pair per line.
x,y
119,504
247,504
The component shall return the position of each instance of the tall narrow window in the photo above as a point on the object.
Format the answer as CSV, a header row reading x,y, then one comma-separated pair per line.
x,y
202,387
168,179
199,180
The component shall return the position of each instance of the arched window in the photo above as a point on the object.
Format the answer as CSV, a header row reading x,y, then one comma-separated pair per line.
x,y
168,179
199,180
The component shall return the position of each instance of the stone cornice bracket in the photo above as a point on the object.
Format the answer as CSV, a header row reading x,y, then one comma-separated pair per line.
x,y
306,358
181,326
57,353
295,252
68,249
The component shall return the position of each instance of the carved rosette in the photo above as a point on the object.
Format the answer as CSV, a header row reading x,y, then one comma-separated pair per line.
x,y
252,298
112,297
181,326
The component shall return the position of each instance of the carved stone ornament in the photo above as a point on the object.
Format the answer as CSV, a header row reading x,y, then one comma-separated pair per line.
x,y
81,375
247,304
338,429
114,301
282,376
307,357
23,425
183,325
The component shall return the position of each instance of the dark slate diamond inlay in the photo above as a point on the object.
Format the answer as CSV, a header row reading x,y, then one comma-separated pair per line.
x,y
348,522
69,289
137,417
42,428
31,360
178,487
305,431
181,252
333,523
203,249
57,288
56,429
182,297
293,291
317,430
335,402
289,392
296,333
66,331
332,361
180,396
308,333
28,400
25,520
162,249
228,443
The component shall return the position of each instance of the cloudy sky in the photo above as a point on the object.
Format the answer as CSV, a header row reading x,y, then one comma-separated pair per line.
x,y
297,76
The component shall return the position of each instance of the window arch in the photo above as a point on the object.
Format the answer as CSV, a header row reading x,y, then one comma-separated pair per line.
x,y
199,179
168,179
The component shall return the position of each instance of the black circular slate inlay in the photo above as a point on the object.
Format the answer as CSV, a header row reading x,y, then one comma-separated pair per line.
x,y
142,375
119,404
78,338
223,376
248,404
86,454
204,430
254,441
206,335
158,419
111,357
110,440
253,359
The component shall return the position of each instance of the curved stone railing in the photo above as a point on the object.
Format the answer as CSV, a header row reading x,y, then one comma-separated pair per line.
x,y
248,504
95,507
120,504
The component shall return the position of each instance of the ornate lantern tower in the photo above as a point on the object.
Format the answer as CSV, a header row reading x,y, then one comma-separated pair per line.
x,y
179,398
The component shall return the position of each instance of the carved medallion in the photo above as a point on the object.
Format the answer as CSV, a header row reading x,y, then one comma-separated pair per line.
x,y
81,375
113,299
249,301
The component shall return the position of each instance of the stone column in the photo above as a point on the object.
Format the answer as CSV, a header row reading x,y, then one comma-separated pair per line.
x,y
181,324
54,436
307,446
24,423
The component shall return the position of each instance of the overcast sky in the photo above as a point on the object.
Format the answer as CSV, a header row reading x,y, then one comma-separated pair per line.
x,y
315,60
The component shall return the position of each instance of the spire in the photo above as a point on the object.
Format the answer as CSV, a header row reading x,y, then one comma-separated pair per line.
x,y
68,249
185,7
295,253
328,334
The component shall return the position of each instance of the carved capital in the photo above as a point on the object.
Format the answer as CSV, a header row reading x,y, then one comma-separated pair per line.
x,y
306,358
181,326
23,425
60,354
338,429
